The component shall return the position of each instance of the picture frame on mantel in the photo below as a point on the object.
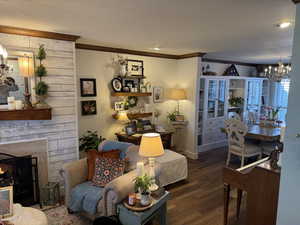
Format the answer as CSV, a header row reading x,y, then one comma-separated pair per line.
x,y
88,87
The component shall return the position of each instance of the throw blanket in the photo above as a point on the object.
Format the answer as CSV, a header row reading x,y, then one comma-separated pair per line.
x,y
85,197
111,145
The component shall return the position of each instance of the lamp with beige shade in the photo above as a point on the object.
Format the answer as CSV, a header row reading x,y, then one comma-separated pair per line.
x,y
26,68
177,94
151,146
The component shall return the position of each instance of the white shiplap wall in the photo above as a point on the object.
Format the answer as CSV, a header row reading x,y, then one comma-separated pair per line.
x,y
62,130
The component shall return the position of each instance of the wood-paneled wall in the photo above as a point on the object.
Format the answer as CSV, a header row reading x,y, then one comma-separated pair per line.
x,y
62,130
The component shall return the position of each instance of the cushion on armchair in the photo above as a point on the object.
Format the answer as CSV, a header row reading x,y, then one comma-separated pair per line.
x,y
92,155
110,145
106,170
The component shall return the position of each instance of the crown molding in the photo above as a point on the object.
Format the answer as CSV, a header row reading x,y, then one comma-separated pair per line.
x,y
37,33
134,52
296,1
228,62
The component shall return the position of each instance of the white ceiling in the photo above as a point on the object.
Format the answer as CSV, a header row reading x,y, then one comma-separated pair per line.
x,y
241,30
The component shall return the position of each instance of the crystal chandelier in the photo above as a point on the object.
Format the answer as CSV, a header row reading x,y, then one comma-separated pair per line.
x,y
277,73
4,67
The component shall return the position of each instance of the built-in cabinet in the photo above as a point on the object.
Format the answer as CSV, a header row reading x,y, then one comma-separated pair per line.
x,y
215,107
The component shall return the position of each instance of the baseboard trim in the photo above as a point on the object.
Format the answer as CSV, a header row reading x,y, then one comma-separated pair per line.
x,y
212,146
191,155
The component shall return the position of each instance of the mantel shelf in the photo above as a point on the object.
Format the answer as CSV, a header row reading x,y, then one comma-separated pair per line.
x,y
137,94
133,116
26,114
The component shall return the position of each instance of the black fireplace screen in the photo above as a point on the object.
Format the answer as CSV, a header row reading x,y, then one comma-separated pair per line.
x,y
24,173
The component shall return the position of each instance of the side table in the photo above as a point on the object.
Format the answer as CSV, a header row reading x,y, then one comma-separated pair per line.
x,y
159,210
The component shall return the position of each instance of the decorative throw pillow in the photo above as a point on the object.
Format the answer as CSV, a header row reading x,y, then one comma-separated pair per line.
x,y
106,170
94,154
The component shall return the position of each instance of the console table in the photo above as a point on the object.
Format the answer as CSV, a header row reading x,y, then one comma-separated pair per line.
x,y
166,138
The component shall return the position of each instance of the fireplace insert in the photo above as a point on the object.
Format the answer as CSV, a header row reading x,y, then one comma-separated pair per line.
x,y
23,172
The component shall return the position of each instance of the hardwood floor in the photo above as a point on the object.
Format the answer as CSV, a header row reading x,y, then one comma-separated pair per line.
x,y
199,200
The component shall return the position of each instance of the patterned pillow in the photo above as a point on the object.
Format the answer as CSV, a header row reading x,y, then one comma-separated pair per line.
x,y
107,169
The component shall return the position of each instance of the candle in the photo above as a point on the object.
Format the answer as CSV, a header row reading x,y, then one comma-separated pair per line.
x,y
140,169
19,104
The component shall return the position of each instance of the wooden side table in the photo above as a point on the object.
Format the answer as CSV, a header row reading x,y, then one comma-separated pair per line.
x,y
166,138
158,210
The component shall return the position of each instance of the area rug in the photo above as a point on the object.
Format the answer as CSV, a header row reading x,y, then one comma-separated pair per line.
x,y
60,216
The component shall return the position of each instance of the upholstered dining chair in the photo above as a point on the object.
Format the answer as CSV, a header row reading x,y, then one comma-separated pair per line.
x,y
236,131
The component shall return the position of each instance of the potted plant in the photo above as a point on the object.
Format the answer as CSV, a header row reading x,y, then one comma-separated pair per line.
x,y
236,101
142,185
89,141
172,116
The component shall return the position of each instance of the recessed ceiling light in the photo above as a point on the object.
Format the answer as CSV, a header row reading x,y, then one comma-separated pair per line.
x,y
284,25
156,48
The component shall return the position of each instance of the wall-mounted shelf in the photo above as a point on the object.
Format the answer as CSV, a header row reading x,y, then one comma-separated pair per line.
x,y
133,116
138,94
26,114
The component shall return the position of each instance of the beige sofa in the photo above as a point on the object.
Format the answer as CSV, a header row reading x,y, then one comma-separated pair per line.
x,y
170,168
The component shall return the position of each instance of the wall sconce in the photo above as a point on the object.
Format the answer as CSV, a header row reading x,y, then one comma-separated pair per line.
x,y
26,68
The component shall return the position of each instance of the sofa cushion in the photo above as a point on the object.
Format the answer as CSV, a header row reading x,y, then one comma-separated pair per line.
x,y
107,169
110,145
93,154
85,197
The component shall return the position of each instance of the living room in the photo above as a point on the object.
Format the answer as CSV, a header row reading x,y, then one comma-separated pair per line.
x,y
84,85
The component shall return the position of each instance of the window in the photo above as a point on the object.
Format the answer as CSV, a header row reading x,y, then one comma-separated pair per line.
x,y
281,96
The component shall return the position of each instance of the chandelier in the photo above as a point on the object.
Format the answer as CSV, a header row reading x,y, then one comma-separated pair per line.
x,y
277,73
4,67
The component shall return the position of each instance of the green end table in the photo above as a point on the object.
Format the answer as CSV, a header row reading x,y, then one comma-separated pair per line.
x,y
159,210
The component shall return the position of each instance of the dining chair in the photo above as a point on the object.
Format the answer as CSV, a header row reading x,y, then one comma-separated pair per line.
x,y
236,131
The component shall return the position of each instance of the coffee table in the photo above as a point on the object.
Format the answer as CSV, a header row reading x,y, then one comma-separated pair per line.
x,y
159,210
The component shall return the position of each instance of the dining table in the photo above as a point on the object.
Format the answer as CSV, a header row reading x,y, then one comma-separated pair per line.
x,y
263,133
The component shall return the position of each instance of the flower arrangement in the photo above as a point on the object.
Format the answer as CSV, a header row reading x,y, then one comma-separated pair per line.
x,y
271,113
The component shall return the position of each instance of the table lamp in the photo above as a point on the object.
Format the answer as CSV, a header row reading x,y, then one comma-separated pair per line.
x,y
151,146
177,94
26,69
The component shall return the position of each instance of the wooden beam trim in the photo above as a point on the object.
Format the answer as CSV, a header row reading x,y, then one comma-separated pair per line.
x,y
134,52
296,1
37,33
228,62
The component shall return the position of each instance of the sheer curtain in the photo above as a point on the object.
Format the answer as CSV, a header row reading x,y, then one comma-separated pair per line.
x,y
280,97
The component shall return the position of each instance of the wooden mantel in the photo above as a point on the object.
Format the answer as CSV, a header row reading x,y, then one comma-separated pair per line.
x,y
26,114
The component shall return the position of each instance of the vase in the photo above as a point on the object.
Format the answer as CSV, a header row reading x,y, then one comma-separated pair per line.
x,y
123,70
41,101
145,199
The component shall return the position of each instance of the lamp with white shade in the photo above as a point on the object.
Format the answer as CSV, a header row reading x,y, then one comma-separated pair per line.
x,y
151,146
177,94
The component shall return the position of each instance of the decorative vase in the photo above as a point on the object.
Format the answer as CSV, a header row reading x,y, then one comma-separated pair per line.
x,y
41,101
123,70
145,199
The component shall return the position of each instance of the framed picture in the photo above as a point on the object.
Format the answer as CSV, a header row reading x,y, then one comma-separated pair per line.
x,y
88,87
158,94
88,107
116,84
135,67
6,201
119,106
130,130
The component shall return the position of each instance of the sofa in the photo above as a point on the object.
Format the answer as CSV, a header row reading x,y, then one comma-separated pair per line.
x,y
170,168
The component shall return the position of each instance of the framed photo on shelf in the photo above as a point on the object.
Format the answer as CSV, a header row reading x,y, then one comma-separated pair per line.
x,y
158,94
6,201
116,84
130,129
88,108
135,67
119,106
88,87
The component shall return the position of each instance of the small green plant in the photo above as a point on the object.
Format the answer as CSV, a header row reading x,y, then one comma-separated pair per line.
x,y
90,140
41,88
142,184
41,71
41,55
172,116
236,101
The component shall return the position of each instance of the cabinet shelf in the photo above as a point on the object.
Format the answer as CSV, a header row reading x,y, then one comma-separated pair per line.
x,y
133,116
137,94
26,114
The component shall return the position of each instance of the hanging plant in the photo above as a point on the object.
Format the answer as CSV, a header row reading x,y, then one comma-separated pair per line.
x,y
41,88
